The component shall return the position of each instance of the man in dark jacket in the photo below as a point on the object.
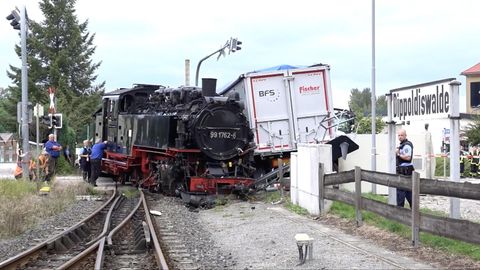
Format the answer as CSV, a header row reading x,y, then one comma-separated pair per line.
x,y
85,160
53,149
404,154
96,160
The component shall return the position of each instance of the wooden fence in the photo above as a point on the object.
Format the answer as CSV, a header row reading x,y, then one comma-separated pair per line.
x,y
443,226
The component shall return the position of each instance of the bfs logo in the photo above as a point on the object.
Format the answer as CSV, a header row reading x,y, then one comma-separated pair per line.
x,y
271,94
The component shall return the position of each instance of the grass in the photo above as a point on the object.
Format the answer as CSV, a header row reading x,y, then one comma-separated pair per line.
x,y
453,246
275,196
131,193
21,207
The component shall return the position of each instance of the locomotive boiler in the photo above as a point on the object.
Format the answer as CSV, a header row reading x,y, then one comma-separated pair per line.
x,y
184,139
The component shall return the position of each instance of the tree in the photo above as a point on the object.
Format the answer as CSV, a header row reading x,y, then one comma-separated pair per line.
x,y
473,132
364,125
59,55
360,103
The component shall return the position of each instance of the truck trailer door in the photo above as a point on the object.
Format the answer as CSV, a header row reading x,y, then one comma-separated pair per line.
x,y
311,103
270,107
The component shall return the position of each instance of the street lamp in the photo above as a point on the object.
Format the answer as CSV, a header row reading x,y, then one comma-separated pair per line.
x,y
233,45
19,22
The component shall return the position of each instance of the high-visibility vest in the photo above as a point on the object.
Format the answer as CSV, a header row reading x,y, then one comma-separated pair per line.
x,y
18,171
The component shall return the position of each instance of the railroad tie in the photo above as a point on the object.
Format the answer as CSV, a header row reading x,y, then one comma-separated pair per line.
x,y
67,241
303,240
80,232
59,246
140,239
74,236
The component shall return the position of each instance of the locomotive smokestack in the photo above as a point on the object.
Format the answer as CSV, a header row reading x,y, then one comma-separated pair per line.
x,y
209,87
187,72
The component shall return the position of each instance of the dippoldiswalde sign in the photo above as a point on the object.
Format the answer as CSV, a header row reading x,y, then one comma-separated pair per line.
x,y
422,101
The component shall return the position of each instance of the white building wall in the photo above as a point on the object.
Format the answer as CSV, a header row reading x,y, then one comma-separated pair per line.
x,y
304,174
362,157
436,127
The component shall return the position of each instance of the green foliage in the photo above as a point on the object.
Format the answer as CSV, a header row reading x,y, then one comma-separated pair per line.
x,y
274,196
296,208
453,246
130,193
63,167
364,125
361,103
439,168
59,52
12,189
472,132
21,208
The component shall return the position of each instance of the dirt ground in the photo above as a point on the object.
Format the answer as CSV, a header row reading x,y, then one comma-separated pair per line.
x,y
391,241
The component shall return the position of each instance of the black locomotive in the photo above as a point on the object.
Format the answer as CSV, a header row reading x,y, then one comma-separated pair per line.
x,y
172,139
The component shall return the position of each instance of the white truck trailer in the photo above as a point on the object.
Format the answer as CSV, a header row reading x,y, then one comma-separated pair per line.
x,y
286,106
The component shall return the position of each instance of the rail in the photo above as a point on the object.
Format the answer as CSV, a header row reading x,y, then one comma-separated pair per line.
x,y
22,258
105,242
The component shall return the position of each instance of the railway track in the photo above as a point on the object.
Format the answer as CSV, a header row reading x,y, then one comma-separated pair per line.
x,y
117,235
180,256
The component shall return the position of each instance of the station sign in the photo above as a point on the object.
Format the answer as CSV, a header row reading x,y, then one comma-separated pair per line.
x,y
430,100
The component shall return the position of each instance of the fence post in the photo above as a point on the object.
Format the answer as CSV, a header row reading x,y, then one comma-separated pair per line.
x,y
358,196
321,187
415,208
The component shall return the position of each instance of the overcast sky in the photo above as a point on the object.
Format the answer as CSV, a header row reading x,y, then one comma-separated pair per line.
x,y
148,41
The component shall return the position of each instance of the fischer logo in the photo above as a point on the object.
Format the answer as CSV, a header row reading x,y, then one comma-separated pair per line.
x,y
308,90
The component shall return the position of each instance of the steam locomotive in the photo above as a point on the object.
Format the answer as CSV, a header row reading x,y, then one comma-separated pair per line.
x,y
185,139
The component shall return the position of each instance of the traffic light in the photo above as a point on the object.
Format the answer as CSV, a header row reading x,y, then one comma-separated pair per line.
x,y
55,120
14,17
235,45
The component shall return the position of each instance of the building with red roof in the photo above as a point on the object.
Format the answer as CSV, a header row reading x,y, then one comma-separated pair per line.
x,y
473,88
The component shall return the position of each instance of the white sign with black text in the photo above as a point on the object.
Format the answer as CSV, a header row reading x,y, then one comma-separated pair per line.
x,y
422,101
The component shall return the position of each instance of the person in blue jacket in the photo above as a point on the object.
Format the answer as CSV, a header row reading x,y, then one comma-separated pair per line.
x,y
96,160
53,149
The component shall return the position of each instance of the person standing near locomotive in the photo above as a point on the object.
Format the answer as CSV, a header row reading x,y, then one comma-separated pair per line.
x,y
96,160
404,154
53,149
43,163
85,160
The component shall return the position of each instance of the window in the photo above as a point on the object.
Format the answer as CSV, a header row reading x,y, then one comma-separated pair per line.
x,y
474,94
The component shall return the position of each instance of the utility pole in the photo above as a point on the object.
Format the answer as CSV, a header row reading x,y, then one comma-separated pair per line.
x,y
19,22
374,101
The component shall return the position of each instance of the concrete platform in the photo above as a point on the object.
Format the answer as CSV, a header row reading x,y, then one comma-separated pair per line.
x,y
103,183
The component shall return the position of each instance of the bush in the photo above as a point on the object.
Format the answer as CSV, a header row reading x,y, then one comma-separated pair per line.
x,y
439,166
439,171
64,168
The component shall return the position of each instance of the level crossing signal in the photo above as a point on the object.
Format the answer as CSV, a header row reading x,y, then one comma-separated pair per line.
x,y
55,120
14,17
235,45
